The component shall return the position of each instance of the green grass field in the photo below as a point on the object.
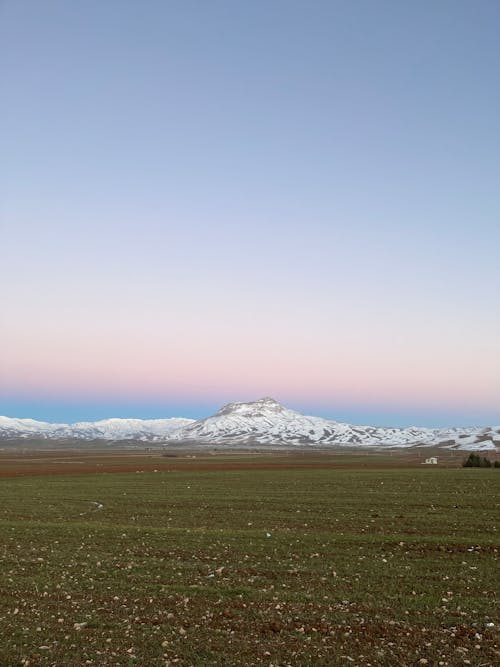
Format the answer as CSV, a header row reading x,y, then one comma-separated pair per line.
x,y
251,567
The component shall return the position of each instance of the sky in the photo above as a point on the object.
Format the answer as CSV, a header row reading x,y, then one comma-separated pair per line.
x,y
204,202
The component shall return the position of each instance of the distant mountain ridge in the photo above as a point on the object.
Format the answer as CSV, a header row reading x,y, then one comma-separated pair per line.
x,y
260,423
105,429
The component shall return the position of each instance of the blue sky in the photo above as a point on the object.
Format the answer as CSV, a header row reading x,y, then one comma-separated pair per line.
x,y
202,202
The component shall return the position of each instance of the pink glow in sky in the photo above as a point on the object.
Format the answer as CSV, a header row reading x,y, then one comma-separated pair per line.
x,y
187,219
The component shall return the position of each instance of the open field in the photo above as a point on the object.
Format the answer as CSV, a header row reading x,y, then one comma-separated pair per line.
x,y
18,461
246,560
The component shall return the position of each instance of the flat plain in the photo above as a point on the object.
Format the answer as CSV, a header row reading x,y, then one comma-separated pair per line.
x,y
247,559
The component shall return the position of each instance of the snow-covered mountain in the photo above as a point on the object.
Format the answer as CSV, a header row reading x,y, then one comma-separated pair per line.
x,y
266,422
106,429
260,423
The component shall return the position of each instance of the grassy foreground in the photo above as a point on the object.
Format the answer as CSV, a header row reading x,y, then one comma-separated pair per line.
x,y
250,567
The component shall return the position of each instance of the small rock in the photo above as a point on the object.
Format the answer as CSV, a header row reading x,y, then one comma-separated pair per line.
x,y
79,626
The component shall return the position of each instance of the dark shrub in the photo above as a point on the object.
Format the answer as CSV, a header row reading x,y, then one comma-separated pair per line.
x,y
476,461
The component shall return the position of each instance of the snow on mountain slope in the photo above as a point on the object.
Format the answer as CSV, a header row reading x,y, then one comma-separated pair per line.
x,y
267,422
264,420
106,429
261,422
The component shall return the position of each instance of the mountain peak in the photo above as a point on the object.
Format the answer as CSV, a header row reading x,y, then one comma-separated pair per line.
x,y
267,400
256,423
266,404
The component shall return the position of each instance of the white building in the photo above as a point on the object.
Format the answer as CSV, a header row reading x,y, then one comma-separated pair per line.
x,y
430,461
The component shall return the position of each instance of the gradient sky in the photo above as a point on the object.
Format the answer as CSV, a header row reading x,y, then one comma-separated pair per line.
x,y
203,202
